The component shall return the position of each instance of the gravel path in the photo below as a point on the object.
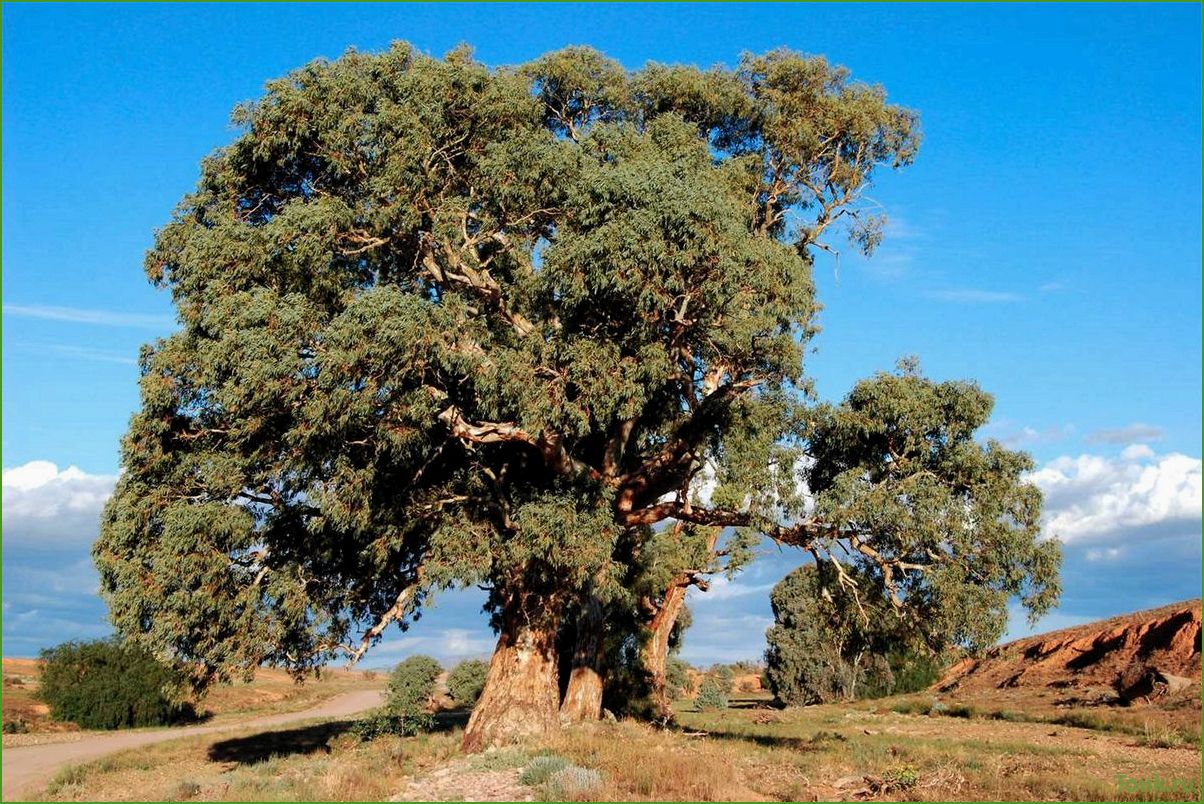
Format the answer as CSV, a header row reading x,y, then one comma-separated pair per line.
x,y
26,766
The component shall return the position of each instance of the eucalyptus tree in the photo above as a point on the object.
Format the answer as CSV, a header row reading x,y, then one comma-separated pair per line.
x,y
444,325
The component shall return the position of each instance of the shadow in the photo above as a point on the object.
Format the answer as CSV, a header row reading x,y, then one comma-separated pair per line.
x,y
752,703
451,719
813,743
262,747
768,741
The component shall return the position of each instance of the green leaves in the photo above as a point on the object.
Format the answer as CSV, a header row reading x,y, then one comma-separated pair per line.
x,y
444,324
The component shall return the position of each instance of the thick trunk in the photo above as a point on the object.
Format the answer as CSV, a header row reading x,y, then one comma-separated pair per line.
x,y
583,696
521,692
656,651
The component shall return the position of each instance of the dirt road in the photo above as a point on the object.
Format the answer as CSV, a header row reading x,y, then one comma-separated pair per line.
x,y
26,766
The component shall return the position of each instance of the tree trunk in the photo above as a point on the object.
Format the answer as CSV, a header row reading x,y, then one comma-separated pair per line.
x,y
521,697
583,697
656,651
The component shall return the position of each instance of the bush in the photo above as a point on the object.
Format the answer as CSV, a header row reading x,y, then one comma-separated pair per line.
x,y
381,722
107,684
411,686
540,769
568,783
677,677
16,726
711,695
466,681
901,778
725,675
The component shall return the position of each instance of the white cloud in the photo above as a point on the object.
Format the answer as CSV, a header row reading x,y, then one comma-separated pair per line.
x,y
1136,496
975,296
1011,435
46,506
78,315
448,644
1137,432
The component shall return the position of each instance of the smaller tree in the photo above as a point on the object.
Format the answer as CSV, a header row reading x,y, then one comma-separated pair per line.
x,y
466,681
712,694
677,678
412,685
107,684
725,675
825,645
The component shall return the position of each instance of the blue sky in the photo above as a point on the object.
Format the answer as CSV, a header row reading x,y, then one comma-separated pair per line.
x,y
1046,242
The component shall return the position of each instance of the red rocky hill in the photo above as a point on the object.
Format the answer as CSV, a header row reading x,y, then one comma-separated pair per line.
x,y
1119,652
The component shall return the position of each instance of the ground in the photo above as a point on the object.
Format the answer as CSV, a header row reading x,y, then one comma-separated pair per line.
x,y
1037,719
918,747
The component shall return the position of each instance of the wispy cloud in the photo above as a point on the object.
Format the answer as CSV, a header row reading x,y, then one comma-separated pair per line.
x,y
975,296
1135,433
79,315
83,353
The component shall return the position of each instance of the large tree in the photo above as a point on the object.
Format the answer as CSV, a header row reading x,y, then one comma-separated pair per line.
x,y
445,325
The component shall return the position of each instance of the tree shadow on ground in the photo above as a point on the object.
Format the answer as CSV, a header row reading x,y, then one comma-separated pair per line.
x,y
262,747
449,720
813,743
314,739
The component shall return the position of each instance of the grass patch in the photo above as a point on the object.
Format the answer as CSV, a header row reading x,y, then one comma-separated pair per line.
x,y
541,769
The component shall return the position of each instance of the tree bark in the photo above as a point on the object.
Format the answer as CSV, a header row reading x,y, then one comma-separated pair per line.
x,y
656,651
583,697
521,694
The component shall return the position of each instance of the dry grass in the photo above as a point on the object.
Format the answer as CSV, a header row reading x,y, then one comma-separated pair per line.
x,y
745,753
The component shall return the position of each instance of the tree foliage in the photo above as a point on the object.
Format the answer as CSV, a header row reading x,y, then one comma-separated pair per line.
x,y
712,693
897,459
466,681
106,684
442,325
412,685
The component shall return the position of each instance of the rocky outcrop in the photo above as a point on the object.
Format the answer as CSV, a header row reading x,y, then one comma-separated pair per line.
x,y
1146,648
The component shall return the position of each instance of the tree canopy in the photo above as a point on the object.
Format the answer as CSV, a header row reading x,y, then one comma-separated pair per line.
x,y
443,324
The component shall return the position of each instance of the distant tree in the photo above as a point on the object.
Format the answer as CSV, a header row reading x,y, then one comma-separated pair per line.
x,y
898,459
107,684
725,675
447,325
466,681
412,685
712,694
677,678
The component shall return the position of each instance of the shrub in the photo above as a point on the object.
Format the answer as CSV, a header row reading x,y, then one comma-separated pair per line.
x,y
725,675
411,685
903,777
540,769
711,695
466,681
677,677
382,722
16,726
107,684
571,782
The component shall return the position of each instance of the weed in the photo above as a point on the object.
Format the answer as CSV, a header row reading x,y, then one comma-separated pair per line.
x,y
571,783
540,769
499,760
70,776
902,777
184,790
